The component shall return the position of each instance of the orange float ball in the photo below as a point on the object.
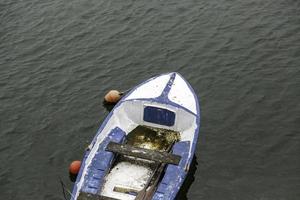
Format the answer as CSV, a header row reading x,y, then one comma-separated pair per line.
x,y
75,167
112,96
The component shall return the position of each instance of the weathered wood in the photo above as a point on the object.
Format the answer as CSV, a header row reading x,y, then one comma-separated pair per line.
x,y
126,190
162,157
88,196
150,187
106,198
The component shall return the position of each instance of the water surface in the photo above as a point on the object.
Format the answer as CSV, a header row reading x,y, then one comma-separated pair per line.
x,y
58,59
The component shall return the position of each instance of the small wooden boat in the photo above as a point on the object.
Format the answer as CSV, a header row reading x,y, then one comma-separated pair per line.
x,y
145,146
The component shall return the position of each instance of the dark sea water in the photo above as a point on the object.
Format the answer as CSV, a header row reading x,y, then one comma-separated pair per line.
x,y
58,59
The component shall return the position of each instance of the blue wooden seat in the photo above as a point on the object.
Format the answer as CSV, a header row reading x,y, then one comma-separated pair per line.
x,y
174,174
101,163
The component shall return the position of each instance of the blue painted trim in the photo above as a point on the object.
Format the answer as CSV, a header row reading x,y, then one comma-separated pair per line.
x,y
163,98
167,89
79,176
182,149
99,165
174,175
170,184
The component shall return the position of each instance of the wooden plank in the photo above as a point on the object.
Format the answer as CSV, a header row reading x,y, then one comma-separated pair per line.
x,y
162,157
148,191
88,196
107,198
126,190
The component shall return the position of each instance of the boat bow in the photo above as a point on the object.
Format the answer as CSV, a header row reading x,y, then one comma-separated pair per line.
x,y
170,89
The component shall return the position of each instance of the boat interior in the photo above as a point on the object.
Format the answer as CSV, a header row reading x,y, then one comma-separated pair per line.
x,y
152,142
139,140
130,160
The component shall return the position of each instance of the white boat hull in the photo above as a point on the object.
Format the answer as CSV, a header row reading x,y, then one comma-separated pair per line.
x,y
166,101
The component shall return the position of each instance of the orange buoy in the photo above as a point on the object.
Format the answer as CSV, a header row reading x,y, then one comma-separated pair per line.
x,y
113,96
75,167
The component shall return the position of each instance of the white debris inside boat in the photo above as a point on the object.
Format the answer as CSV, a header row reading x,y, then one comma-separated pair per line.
x,y
130,176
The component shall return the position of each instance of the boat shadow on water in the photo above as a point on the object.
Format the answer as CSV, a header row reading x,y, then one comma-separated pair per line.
x,y
72,177
108,106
